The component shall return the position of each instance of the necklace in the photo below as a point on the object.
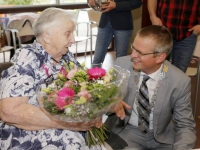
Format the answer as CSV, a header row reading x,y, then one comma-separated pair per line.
x,y
153,98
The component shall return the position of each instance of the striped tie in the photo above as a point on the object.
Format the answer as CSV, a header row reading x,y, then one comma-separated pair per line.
x,y
143,103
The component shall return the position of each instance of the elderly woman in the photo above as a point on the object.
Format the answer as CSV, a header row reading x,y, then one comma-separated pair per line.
x,y
23,125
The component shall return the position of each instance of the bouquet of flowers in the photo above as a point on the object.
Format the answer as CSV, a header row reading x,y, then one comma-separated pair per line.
x,y
82,94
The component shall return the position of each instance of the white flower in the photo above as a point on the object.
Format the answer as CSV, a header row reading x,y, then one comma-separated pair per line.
x,y
52,85
67,110
100,81
107,78
83,85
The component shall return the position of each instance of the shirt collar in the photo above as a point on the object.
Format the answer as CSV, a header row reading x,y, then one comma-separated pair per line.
x,y
46,58
154,76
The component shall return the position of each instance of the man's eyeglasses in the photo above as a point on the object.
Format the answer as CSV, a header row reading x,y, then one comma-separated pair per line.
x,y
140,54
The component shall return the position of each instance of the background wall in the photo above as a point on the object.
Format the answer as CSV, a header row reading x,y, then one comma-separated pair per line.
x,y
141,19
137,21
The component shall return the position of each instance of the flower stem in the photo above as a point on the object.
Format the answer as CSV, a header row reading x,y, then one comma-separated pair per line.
x,y
96,136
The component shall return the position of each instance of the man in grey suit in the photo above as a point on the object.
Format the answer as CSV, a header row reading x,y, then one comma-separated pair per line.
x,y
156,113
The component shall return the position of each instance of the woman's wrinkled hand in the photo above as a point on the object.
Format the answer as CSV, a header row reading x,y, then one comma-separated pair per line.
x,y
74,126
80,126
118,109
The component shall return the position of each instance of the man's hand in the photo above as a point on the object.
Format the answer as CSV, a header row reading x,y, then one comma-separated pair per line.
x,y
91,2
156,21
98,123
195,29
118,109
110,5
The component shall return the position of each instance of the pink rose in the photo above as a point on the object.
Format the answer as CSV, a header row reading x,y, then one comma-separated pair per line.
x,y
84,94
68,83
71,73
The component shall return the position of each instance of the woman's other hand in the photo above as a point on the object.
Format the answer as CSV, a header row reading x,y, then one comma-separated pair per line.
x,y
17,112
81,126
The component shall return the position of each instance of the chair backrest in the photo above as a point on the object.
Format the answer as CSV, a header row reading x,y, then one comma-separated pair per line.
x,y
3,35
197,48
26,28
16,21
26,33
94,15
22,22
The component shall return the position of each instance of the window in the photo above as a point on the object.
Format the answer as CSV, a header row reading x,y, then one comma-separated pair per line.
x,y
38,2
71,1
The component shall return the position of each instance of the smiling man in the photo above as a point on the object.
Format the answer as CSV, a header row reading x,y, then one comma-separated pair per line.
x,y
156,112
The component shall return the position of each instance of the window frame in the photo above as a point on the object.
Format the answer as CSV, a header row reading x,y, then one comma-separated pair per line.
x,y
30,8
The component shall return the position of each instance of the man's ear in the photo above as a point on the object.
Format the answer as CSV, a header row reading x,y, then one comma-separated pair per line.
x,y
161,57
46,37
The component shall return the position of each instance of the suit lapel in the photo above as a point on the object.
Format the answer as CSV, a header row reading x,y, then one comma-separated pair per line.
x,y
132,87
161,94
130,98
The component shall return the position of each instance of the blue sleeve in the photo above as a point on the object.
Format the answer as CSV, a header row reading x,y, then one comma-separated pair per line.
x,y
127,5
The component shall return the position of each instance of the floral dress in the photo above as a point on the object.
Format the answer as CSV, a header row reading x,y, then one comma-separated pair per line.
x,y
32,66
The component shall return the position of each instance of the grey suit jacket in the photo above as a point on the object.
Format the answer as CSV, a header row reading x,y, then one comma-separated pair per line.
x,y
173,122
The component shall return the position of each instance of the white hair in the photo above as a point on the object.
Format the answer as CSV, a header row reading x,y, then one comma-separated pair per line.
x,y
51,17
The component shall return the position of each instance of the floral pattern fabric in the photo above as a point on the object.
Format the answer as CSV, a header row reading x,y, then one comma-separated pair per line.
x,y
32,66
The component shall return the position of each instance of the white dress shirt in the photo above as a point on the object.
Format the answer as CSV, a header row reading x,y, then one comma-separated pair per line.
x,y
151,84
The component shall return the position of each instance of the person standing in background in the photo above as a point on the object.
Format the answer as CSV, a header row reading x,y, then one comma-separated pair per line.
x,y
183,21
116,20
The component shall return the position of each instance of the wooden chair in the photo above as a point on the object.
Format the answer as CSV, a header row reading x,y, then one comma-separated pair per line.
x,y
195,72
4,66
26,33
4,46
22,24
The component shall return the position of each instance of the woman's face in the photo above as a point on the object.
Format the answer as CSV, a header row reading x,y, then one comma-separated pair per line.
x,y
61,38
